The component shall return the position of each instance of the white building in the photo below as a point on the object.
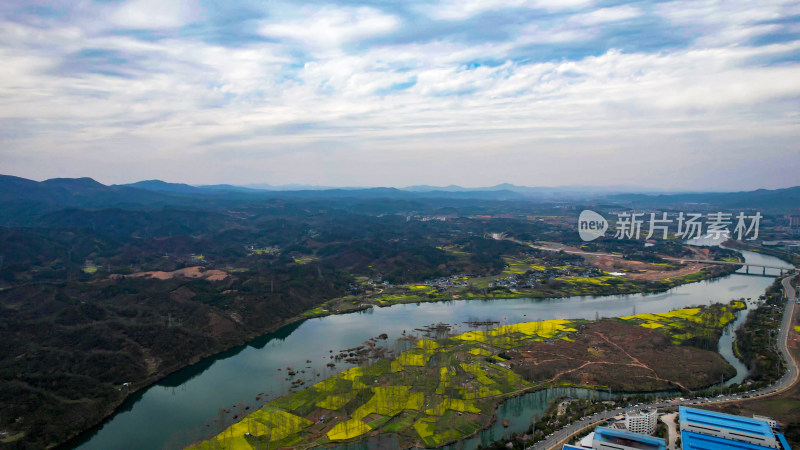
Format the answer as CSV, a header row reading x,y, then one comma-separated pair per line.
x,y
772,423
643,421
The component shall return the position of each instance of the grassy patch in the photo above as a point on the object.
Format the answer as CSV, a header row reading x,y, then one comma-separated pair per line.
x,y
435,392
687,323
782,405
305,259
12,438
509,336
348,430
315,312
400,422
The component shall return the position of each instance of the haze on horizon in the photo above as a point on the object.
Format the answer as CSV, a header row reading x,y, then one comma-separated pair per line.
x,y
675,95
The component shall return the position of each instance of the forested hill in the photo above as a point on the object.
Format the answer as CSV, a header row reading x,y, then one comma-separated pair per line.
x,y
24,198
88,193
765,199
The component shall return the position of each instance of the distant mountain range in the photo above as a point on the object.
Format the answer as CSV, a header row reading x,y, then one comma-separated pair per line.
x,y
303,191
625,195
560,192
20,196
23,196
544,192
767,199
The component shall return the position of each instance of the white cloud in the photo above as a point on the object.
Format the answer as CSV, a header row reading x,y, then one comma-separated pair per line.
x,y
727,23
196,109
156,14
535,34
462,9
332,27
607,15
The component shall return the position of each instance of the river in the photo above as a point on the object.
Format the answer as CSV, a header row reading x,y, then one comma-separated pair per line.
x,y
174,412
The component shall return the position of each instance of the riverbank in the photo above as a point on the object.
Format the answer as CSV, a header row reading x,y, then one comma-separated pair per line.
x,y
443,390
559,288
135,389
762,400
227,381
346,305
783,406
770,251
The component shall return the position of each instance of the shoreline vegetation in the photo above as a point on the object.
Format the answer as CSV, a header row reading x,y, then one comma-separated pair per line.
x,y
767,366
443,388
785,255
124,294
106,290
559,288
446,387
344,305
764,368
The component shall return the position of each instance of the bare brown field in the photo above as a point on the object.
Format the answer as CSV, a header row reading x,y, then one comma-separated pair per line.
x,y
620,356
187,272
645,271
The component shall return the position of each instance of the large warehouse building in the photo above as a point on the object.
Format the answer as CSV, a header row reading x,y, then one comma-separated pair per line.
x,y
707,430
612,439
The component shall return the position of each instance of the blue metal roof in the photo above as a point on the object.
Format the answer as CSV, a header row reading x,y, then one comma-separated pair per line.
x,y
629,439
784,442
728,421
697,441
571,447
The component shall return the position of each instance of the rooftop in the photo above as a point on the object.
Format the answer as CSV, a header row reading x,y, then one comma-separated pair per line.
x,y
728,421
784,443
628,439
697,441
641,412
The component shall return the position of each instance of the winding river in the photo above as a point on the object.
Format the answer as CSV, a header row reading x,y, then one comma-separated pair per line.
x,y
175,411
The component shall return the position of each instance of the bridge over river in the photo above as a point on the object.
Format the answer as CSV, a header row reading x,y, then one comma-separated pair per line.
x,y
747,266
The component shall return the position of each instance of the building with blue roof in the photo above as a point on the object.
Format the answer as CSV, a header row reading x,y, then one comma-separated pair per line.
x,y
708,430
784,443
697,441
613,439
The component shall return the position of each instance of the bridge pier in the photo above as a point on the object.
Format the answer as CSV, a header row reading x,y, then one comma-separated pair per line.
x,y
746,269
765,270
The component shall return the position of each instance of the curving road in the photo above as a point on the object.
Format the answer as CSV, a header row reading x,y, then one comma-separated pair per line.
x,y
562,248
560,437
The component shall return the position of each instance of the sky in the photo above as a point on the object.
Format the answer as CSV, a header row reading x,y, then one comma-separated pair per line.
x,y
684,94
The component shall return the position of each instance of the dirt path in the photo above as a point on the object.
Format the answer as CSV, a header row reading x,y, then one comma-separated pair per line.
x,y
612,262
589,363
672,429
639,363
646,271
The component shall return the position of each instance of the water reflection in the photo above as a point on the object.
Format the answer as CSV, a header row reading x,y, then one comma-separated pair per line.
x,y
174,411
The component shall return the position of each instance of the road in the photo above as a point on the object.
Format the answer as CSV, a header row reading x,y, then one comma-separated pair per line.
x,y
672,429
558,438
668,258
